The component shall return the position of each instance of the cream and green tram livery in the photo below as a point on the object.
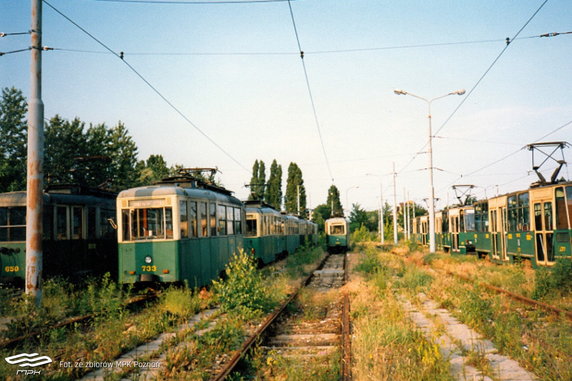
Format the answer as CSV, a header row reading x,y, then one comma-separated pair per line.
x,y
179,230
337,235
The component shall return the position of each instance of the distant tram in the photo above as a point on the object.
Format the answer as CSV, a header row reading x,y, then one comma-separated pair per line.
x,y
78,238
337,235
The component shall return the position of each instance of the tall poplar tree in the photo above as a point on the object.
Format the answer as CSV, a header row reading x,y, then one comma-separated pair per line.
x,y
13,138
333,202
295,190
273,194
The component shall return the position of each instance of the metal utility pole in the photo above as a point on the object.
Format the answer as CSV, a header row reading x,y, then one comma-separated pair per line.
x,y
405,215
35,179
381,216
394,207
430,158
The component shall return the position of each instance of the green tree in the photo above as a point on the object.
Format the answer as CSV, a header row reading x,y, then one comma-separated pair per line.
x,y
123,153
320,214
257,181
273,194
295,191
13,135
334,202
152,170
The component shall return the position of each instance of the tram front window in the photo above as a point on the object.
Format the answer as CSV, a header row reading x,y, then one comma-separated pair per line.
x,y
250,227
150,223
337,230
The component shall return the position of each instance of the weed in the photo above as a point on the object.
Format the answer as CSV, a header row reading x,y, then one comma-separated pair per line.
x,y
244,286
180,302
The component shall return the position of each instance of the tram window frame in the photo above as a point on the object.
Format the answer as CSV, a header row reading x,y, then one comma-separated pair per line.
x,y
125,225
513,211
62,223
560,209
193,219
106,230
548,216
523,212
183,219
76,225
569,205
469,220
230,220
221,212
92,222
252,226
237,221
14,227
212,219
203,217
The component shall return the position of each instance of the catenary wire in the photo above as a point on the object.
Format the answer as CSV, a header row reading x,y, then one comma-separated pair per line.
x,y
310,91
509,42
306,53
6,34
150,86
14,51
214,2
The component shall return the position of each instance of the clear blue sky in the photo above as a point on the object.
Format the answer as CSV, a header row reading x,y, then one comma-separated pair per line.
x,y
257,106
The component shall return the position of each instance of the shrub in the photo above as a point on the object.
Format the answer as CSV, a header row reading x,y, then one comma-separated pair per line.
x,y
244,286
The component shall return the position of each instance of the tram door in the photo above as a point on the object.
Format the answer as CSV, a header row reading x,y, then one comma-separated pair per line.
x,y
498,232
543,232
455,233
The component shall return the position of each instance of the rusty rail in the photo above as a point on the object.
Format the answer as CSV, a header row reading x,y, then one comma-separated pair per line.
x,y
76,319
346,331
520,298
229,367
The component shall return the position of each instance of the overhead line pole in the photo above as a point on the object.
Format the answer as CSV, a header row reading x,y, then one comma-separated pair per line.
x,y
35,176
394,207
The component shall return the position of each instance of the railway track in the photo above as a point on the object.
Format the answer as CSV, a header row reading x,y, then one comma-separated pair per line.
x,y
519,298
72,321
315,335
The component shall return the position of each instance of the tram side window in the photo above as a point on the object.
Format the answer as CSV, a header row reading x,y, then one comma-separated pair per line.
x,y
183,219
251,226
512,214
237,221
168,223
61,223
212,217
561,217
523,213
537,216
193,218
91,222
221,220
13,224
125,224
77,222
229,220
106,230
569,204
548,216
203,218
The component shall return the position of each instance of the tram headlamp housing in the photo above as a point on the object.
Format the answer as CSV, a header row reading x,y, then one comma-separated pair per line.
x,y
148,259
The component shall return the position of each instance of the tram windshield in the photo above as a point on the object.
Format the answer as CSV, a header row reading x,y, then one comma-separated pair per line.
x,y
250,227
147,223
337,229
469,220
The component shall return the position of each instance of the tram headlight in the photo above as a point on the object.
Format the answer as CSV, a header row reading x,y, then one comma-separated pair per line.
x,y
148,259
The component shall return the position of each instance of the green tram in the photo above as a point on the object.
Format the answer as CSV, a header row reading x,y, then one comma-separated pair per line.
x,y
265,232
337,235
456,229
78,239
421,230
180,230
270,234
535,224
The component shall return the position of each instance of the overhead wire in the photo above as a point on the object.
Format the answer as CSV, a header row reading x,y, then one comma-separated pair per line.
x,y
508,43
6,34
317,122
306,53
214,2
14,51
167,101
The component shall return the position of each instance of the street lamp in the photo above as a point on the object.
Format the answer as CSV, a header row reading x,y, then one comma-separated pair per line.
x,y
430,154
347,190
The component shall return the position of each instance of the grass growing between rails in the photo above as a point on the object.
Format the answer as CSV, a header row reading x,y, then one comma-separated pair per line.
x,y
112,332
246,296
386,345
